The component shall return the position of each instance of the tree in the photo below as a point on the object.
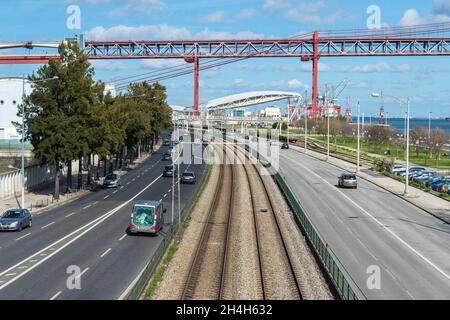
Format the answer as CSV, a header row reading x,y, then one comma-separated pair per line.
x,y
438,139
56,111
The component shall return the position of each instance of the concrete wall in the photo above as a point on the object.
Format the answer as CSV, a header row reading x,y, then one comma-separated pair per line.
x,y
35,177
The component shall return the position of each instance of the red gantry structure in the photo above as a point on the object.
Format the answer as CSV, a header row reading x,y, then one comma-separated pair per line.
x,y
423,40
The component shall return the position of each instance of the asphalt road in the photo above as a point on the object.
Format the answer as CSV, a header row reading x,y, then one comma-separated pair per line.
x,y
372,227
89,233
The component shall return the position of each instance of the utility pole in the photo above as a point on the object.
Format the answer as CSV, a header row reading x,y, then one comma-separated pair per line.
x,y
359,146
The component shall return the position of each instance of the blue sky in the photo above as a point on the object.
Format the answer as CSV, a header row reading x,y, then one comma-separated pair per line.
x,y
424,79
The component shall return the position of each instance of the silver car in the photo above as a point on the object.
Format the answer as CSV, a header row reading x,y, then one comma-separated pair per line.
x,y
15,220
348,180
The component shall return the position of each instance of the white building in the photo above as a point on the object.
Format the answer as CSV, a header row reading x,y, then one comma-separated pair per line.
x,y
270,112
10,99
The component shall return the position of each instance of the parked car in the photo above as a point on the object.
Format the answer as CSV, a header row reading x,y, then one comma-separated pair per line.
x,y
431,180
440,185
285,146
395,169
169,171
167,156
15,220
348,180
111,181
147,217
188,177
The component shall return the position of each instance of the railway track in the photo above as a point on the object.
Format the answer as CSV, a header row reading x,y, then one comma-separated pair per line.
x,y
212,272
205,277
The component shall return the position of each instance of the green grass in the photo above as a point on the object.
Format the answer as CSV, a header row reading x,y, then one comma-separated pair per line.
x,y
157,278
396,152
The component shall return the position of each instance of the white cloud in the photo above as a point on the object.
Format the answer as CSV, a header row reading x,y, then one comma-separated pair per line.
x,y
296,84
442,7
412,17
375,67
121,32
314,12
215,17
245,14
276,4
163,31
138,7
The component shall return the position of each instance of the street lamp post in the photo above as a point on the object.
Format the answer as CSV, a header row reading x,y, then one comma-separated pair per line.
x,y
359,140
407,102
328,136
306,129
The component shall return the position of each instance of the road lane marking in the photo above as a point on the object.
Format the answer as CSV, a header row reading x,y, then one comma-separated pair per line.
x,y
95,203
70,214
380,224
106,197
48,225
23,267
123,237
115,192
10,274
105,253
87,207
23,236
128,183
72,237
165,195
83,272
56,295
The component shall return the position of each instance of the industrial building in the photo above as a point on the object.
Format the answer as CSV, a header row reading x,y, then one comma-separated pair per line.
x,y
10,99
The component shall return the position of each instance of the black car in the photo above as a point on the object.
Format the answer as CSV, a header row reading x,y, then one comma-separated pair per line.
x,y
285,146
167,156
169,171
188,177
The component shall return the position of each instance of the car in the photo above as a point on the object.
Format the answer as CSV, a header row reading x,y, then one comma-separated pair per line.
x,y
16,220
147,217
395,169
111,181
285,146
431,180
188,177
167,156
348,180
440,185
169,171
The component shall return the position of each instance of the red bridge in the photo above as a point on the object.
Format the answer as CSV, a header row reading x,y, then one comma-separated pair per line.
x,y
401,41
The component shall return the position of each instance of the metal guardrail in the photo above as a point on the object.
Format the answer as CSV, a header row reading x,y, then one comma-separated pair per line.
x,y
329,261
152,265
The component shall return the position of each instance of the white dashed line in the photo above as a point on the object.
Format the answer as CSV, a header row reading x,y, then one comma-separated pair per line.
x,y
106,197
70,214
105,253
10,274
48,225
115,192
87,207
56,295
84,271
165,195
128,183
95,203
123,237
23,267
23,236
